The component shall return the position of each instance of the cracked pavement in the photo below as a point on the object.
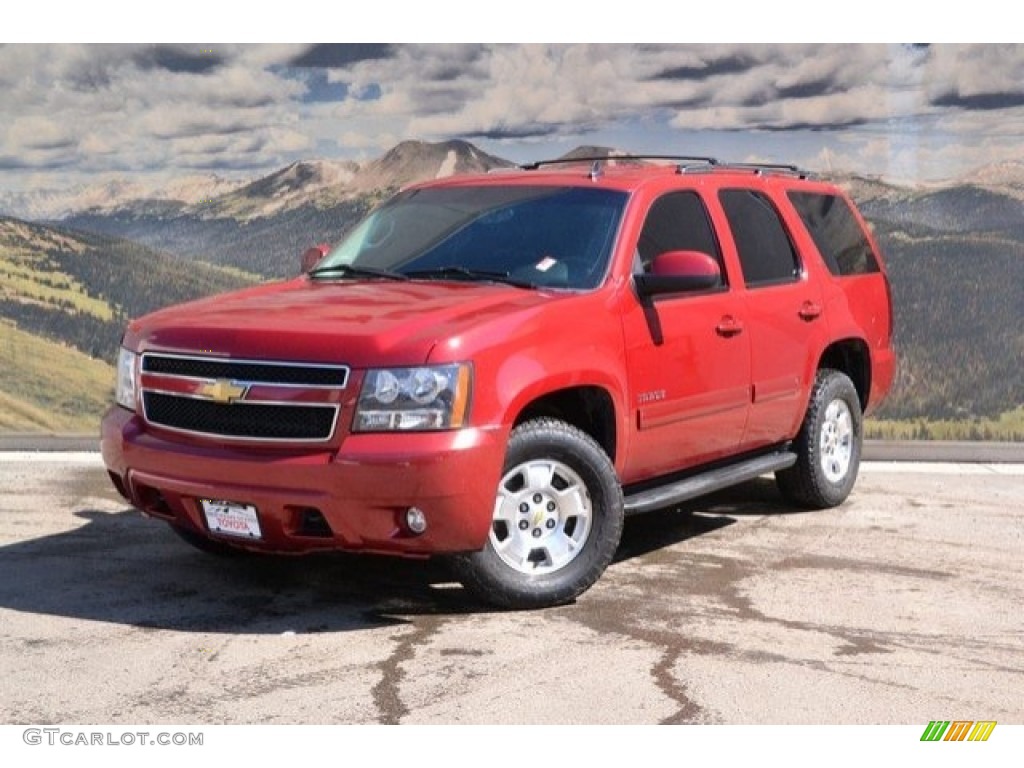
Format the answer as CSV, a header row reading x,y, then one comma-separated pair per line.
x,y
901,606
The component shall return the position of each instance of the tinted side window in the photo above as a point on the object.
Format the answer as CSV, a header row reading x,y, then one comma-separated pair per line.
x,y
765,251
835,231
677,221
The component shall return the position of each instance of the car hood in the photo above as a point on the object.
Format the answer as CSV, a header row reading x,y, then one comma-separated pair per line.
x,y
359,323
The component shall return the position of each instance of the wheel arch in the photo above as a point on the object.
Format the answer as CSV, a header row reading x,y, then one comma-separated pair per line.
x,y
589,408
852,357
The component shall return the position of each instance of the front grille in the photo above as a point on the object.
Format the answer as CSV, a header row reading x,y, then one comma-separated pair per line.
x,y
291,374
254,421
198,410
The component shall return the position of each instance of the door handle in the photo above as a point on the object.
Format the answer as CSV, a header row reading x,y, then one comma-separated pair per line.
x,y
729,326
809,311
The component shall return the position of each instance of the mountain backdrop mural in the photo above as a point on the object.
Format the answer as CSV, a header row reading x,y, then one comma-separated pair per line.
x,y
955,253
138,175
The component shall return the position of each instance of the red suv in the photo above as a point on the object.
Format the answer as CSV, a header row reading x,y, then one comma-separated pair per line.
x,y
498,368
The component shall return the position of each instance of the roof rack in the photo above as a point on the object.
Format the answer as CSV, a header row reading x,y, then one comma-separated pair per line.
x,y
684,164
605,158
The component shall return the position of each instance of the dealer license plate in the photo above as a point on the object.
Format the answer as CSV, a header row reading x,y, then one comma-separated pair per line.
x,y
230,519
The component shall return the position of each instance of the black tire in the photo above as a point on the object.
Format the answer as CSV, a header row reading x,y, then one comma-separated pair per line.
x,y
558,525
828,446
207,545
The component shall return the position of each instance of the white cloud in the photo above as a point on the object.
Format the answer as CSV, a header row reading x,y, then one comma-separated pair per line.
x,y
138,109
973,70
39,132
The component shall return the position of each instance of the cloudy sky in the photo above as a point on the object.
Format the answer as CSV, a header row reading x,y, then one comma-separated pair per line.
x,y
77,113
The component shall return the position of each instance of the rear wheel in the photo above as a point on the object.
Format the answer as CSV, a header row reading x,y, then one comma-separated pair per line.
x,y
556,523
828,446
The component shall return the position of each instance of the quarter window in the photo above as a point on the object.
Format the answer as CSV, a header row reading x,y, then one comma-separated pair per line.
x,y
834,229
766,253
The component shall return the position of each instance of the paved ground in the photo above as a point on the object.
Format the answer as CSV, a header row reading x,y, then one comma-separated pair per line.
x,y
900,607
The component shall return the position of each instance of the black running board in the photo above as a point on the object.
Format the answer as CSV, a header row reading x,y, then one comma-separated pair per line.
x,y
707,482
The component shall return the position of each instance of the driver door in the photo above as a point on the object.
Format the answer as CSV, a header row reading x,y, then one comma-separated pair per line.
x,y
688,354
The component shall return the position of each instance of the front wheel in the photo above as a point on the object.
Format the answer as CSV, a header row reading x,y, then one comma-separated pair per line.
x,y
556,523
828,447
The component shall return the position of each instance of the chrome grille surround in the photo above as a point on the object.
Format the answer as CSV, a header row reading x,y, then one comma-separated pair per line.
x,y
280,421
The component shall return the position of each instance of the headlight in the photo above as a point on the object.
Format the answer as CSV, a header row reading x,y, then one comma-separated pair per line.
x,y
406,399
124,391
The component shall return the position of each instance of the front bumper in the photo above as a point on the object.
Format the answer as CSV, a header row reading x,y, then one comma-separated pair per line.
x,y
362,491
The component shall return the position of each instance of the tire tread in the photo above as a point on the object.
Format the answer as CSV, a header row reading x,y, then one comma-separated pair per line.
x,y
804,483
481,576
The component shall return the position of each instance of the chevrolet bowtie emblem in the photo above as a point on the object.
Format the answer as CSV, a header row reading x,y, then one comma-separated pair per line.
x,y
222,391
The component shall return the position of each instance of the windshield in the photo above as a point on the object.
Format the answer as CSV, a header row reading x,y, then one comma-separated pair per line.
x,y
539,236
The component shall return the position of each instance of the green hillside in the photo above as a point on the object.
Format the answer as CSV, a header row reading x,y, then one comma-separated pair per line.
x,y
958,301
64,300
49,387
1008,426
80,288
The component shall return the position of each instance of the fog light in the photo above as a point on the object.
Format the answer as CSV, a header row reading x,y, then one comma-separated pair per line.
x,y
415,520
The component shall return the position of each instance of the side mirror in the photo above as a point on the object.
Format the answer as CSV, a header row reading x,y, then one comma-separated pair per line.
x,y
679,272
313,256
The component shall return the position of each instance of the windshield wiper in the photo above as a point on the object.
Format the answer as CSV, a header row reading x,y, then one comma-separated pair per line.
x,y
350,270
465,273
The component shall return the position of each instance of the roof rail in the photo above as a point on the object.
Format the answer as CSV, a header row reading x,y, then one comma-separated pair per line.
x,y
684,164
605,158
761,168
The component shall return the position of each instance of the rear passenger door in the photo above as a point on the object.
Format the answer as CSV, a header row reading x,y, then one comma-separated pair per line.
x,y
784,316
